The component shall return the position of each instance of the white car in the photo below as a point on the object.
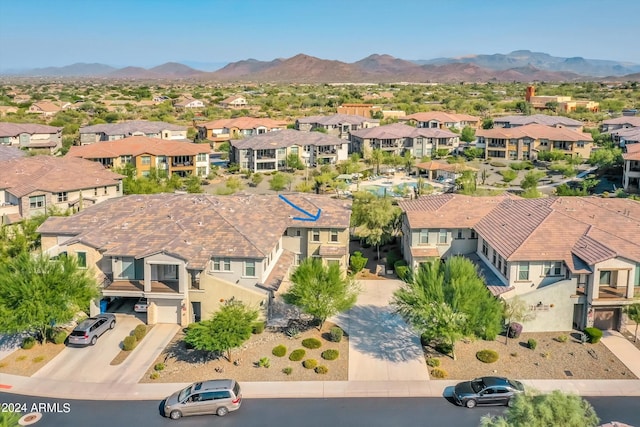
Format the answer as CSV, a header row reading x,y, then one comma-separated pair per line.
x,y
141,306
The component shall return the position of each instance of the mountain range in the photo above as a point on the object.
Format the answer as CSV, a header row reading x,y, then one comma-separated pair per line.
x,y
522,66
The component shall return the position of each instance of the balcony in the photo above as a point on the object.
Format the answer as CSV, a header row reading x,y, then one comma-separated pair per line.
x,y
609,292
182,164
266,157
135,287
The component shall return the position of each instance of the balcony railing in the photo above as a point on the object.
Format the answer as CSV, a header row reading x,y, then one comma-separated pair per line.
x,y
611,292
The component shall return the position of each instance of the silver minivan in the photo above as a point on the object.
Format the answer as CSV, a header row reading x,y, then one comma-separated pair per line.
x,y
207,397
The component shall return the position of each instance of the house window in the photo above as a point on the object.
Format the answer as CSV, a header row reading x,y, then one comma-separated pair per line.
x,y
36,202
125,159
62,197
106,191
170,272
580,144
294,150
221,264
495,257
553,268
315,235
334,236
146,160
605,277
202,157
460,234
424,236
250,268
485,249
523,271
95,191
473,234
636,280
82,259
298,232
442,237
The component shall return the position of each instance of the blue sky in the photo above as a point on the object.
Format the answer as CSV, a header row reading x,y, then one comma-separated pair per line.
x,y
38,33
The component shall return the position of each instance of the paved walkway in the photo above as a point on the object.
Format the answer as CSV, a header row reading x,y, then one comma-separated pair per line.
x,y
625,351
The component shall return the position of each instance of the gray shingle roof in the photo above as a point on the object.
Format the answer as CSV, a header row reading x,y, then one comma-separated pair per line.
x,y
286,138
15,129
336,119
541,119
130,127
399,130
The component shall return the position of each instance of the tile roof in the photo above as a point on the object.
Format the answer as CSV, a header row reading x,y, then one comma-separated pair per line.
x,y
424,252
541,119
400,130
135,146
8,152
53,174
47,106
232,98
332,250
624,120
15,129
336,119
244,123
194,227
453,167
629,134
286,138
535,131
632,152
441,116
130,127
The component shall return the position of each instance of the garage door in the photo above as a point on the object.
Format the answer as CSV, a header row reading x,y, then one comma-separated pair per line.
x,y
167,311
606,318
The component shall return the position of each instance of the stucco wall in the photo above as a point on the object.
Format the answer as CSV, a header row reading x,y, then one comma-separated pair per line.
x,y
214,292
556,318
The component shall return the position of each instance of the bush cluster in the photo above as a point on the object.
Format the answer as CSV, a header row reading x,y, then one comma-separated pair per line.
x,y
498,164
264,362
335,334
297,355
129,343
139,332
487,356
287,371
444,348
515,329
279,350
321,369
433,362
28,343
154,375
594,335
257,328
59,337
158,367
357,262
532,343
330,354
310,363
562,338
439,373
311,343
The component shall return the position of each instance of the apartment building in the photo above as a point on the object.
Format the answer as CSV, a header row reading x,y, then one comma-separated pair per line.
x,y
340,125
540,119
31,136
115,131
442,120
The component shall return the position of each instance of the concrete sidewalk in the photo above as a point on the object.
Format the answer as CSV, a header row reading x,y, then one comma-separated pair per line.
x,y
625,351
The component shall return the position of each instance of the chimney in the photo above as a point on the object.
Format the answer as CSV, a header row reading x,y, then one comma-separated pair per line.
x,y
531,91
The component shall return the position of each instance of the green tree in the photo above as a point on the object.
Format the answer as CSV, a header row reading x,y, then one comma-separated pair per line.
x,y
466,182
321,291
21,237
377,156
606,157
516,310
487,123
37,292
508,175
543,410
229,328
447,301
441,152
256,179
192,184
633,312
530,184
294,162
408,161
523,107
278,182
468,134
374,218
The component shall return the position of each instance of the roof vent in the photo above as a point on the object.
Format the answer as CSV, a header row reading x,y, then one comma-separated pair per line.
x,y
124,225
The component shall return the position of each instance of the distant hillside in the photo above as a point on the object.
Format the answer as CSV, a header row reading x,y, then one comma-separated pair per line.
x,y
174,69
74,70
542,61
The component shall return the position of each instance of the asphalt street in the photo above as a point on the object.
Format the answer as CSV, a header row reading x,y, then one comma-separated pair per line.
x,y
370,412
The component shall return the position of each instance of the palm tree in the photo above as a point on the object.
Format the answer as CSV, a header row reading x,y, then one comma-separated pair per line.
x,y
409,161
377,156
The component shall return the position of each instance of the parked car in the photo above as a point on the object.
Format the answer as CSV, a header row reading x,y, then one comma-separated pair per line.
x,y
89,330
203,398
487,391
141,306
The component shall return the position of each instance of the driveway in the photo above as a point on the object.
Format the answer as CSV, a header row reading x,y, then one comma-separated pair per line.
x,y
382,347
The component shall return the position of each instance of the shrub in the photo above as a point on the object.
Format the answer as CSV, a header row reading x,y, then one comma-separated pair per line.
x,y
335,334
508,175
498,164
444,348
433,362
59,337
37,359
487,356
297,355
439,373
158,367
357,262
21,358
515,329
154,375
287,371
139,332
129,343
28,343
310,363
532,343
330,354
594,335
264,362
257,328
562,338
279,350
311,343
401,269
321,369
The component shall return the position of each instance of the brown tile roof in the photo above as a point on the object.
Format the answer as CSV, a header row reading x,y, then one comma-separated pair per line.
x,y
195,227
452,167
47,106
244,123
286,138
135,146
232,98
424,252
441,116
400,130
280,270
332,250
53,174
632,152
535,131
15,129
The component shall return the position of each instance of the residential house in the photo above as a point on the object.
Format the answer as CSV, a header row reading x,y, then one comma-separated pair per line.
x,y
571,259
188,102
224,130
631,168
340,125
624,122
524,142
31,136
8,152
47,108
7,109
398,138
559,103
115,131
442,170
144,153
269,151
33,185
234,101
188,254
442,120
364,110
540,119
626,136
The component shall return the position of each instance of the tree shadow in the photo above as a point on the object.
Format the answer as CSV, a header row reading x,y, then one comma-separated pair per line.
x,y
8,342
179,351
379,332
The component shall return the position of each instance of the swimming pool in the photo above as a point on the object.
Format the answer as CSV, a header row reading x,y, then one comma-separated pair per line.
x,y
389,190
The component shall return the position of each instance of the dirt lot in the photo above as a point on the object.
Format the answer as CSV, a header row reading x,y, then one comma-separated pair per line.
x,y
183,365
27,362
551,359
